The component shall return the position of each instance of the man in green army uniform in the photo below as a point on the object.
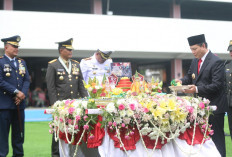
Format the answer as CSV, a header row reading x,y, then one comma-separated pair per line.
x,y
228,71
64,80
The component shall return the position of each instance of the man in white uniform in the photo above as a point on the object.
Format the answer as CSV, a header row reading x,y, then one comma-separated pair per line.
x,y
96,65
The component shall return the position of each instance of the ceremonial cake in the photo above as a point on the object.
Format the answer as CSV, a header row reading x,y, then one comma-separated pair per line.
x,y
124,84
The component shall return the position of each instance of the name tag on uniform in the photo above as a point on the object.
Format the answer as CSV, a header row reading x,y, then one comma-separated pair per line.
x,y
60,71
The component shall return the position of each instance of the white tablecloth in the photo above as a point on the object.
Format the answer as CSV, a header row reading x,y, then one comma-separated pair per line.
x,y
170,149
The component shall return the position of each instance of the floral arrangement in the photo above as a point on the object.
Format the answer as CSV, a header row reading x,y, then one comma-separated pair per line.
x,y
94,88
154,119
69,118
155,86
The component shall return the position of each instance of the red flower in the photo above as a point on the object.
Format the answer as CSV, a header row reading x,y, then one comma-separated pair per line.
x,y
102,94
94,91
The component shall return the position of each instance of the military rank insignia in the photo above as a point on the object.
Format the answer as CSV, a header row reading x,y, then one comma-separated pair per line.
x,y
7,69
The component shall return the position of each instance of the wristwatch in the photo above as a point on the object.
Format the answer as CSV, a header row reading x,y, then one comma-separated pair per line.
x,y
16,91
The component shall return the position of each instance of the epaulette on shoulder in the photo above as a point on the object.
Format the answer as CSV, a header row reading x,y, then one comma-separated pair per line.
x,y
52,61
87,58
1,57
75,61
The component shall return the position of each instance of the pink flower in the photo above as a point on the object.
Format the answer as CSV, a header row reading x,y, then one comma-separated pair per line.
x,y
132,133
121,107
78,118
127,137
51,131
102,94
67,102
111,128
202,105
208,108
76,127
61,120
123,125
56,118
114,123
190,109
86,127
132,106
109,123
134,94
85,117
203,126
211,132
69,121
146,110
71,110
91,136
94,91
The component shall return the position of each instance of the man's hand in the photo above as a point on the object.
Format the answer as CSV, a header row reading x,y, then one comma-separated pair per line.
x,y
20,95
17,101
192,89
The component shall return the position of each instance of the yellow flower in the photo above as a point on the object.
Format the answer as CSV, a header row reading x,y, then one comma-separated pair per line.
x,y
163,104
149,106
91,100
165,120
117,91
171,104
158,112
87,86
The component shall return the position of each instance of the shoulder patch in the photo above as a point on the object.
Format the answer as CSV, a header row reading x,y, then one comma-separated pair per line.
x,y
75,61
1,57
87,58
52,61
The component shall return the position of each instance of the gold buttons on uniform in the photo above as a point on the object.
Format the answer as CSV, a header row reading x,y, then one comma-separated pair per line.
x,y
71,92
4,92
229,82
17,78
58,93
16,71
70,85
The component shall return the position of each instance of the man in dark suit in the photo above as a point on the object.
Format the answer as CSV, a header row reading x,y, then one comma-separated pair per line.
x,y
205,78
64,80
14,85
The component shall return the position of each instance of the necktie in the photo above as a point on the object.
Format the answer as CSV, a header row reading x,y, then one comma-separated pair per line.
x,y
66,63
14,63
199,65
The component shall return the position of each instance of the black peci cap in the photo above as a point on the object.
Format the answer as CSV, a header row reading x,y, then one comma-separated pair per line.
x,y
193,40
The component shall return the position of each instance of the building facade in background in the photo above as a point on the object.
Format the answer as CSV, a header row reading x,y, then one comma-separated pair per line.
x,y
165,61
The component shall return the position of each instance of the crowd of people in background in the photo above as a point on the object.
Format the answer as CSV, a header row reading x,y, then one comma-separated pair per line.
x,y
37,98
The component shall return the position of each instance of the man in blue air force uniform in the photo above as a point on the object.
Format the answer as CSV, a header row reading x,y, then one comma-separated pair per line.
x,y
96,65
14,84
